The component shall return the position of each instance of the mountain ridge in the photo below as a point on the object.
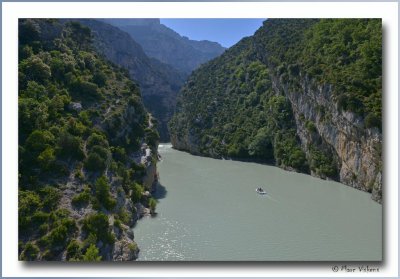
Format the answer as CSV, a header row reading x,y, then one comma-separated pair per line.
x,y
166,45
159,82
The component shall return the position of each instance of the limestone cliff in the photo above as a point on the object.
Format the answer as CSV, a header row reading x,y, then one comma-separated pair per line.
x,y
356,151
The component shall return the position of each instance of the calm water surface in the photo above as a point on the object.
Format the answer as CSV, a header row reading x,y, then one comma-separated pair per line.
x,y
208,210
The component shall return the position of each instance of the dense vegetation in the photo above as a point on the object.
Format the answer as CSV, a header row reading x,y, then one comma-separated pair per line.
x,y
344,53
237,105
80,121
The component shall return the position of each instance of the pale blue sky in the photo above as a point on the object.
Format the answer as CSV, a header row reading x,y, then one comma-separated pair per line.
x,y
227,31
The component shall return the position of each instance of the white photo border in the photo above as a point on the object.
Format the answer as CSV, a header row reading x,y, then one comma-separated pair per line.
x,y
11,11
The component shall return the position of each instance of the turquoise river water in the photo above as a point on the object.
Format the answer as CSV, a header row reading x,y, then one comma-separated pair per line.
x,y
208,210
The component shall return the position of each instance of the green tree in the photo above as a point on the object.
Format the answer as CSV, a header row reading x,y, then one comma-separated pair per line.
x,y
35,69
97,139
103,193
261,146
69,146
28,203
74,251
32,115
46,158
30,252
94,162
97,225
152,204
57,238
35,91
85,90
50,197
137,191
29,32
81,35
38,140
92,254
81,199
100,78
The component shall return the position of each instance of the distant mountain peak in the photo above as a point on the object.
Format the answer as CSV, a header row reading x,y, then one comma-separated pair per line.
x,y
163,43
132,21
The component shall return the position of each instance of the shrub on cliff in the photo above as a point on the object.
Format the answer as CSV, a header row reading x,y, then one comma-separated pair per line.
x,y
373,120
74,251
152,204
102,189
322,164
69,146
137,191
96,139
30,252
94,162
81,199
50,197
92,254
98,226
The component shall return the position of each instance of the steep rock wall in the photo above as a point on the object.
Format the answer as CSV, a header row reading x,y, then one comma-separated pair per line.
x,y
357,150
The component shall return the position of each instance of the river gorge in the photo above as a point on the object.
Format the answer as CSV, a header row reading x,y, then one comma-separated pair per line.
x,y
208,210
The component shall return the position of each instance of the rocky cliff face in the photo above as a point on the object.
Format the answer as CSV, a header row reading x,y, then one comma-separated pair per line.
x,y
264,99
356,151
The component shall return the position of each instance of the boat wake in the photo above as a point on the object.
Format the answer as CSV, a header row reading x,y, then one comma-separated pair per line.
x,y
271,198
264,194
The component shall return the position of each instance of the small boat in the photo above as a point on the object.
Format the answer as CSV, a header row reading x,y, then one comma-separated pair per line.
x,y
261,191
